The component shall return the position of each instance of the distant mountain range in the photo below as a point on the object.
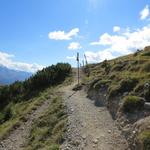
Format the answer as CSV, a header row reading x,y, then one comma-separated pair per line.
x,y
8,76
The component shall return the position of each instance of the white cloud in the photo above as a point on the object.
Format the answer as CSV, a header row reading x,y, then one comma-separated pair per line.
x,y
71,57
116,28
93,57
127,41
74,46
144,13
62,35
6,60
121,44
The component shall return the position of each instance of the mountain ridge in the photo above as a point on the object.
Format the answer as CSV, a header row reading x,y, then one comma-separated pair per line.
x,y
8,76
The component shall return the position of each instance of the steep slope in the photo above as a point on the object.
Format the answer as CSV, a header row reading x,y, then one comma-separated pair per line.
x,y
123,85
8,76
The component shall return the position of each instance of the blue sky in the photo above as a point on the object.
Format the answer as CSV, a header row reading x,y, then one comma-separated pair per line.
x,y
38,33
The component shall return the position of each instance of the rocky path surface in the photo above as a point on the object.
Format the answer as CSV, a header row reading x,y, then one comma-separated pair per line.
x,y
18,137
89,127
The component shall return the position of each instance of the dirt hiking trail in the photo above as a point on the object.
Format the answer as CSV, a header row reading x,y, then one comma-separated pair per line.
x,y
89,127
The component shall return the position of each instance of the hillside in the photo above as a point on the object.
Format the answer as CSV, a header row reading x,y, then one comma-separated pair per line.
x,y
8,76
123,85
33,110
110,109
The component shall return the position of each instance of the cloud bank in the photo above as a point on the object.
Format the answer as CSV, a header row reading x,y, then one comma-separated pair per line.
x,y
121,43
6,60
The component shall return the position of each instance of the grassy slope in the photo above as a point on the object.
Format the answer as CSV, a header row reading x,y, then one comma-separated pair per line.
x,y
117,73
123,81
47,131
50,125
19,111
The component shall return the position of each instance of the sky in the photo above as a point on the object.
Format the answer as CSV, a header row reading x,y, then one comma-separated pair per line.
x,y
38,33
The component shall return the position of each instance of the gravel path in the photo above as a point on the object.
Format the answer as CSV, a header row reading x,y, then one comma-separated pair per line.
x,y
89,127
17,138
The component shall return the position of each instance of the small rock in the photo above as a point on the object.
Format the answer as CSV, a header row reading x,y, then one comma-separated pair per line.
x,y
109,131
94,145
134,132
84,137
95,141
67,148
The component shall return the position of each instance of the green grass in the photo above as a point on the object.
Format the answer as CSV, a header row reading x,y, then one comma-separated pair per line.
x,y
16,113
133,103
144,139
19,111
101,83
125,73
47,132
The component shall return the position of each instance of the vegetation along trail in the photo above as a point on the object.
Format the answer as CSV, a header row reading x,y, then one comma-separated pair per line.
x,y
16,140
89,127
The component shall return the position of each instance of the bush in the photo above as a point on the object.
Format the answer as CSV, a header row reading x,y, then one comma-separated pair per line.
x,y
146,51
125,85
54,147
144,138
140,90
120,66
147,95
101,83
133,103
146,67
113,91
1,117
21,91
104,64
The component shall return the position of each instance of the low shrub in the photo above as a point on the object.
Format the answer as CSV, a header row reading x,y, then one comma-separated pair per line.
x,y
125,85
146,51
94,82
132,103
104,64
146,67
113,91
119,66
144,139
135,68
54,147
147,95
101,83
47,132
140,90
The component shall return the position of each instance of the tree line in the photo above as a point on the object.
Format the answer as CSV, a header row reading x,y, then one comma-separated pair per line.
x,y
22,91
